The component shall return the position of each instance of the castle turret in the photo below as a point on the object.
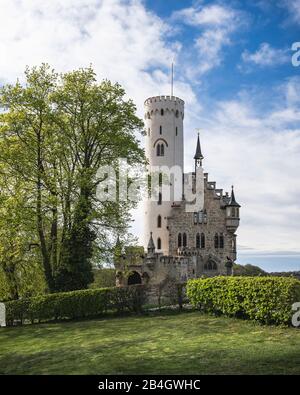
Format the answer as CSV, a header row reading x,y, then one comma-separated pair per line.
x,y
164,147
232,213
151,245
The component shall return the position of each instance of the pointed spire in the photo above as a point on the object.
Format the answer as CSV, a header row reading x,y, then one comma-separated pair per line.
x,y
151,246
198,154
232,201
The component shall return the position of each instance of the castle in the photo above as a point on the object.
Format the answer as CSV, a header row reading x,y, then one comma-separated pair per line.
x,y
183,238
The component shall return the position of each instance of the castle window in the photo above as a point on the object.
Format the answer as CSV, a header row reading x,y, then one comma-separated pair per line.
x,y
179,241
221,240
202,240
198,241
200,217
160,179
177,114
195,218
162,150
216,240
176,131
158,150
159,221
162,112
184,240
160,130
205,216
159,243
159,198
233,244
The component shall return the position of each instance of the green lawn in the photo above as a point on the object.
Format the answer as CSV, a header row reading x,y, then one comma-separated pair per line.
x,y
164,343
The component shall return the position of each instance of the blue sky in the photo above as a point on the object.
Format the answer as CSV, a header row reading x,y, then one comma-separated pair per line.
x,y
233,70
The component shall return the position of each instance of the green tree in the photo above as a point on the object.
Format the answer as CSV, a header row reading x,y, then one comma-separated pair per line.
x,y
55,133
247,270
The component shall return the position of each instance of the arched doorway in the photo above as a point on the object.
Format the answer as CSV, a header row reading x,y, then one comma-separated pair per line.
x,y
134,278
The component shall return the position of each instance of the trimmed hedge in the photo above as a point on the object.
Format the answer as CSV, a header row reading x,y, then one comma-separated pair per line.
x,y
265,299
76,304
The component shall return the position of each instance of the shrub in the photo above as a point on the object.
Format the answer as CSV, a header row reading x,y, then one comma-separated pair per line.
x,y
265,299
75,304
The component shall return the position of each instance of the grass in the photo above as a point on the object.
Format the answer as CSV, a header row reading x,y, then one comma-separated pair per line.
x,y
166,343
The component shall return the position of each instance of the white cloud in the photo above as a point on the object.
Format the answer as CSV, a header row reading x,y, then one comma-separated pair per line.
x,y
266,56
119,37
216,23
293,7
213,15
258,151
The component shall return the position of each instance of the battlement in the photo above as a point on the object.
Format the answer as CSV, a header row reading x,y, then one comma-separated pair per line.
x,y
163,98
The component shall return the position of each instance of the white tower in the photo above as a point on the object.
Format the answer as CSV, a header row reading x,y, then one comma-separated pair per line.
x,y
164,147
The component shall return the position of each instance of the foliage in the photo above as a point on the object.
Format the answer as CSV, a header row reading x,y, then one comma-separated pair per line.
x,y
75,304
55,133
265,299
247,270
103,278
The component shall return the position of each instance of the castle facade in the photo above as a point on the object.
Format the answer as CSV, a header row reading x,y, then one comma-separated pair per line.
x,y
190,231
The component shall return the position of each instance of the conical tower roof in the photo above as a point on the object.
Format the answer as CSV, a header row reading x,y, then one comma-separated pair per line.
x,y
232,201
151,245
198,154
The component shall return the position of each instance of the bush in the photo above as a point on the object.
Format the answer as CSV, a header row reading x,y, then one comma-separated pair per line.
x,y
75,304
265,299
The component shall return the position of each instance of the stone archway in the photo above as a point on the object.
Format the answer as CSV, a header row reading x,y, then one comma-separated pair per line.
x,y
134,278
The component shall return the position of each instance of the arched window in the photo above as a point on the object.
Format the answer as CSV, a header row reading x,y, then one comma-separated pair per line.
x,y
160,130
221,240
158,150
159,221
184,240
159,198
200,217
195,218
198,241
205,216
179,241
159,243
162,150
216,240
209,266
162,112
214,266
205,266
202,240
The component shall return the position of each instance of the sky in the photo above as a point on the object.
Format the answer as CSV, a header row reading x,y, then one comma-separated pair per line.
x,y
233,69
